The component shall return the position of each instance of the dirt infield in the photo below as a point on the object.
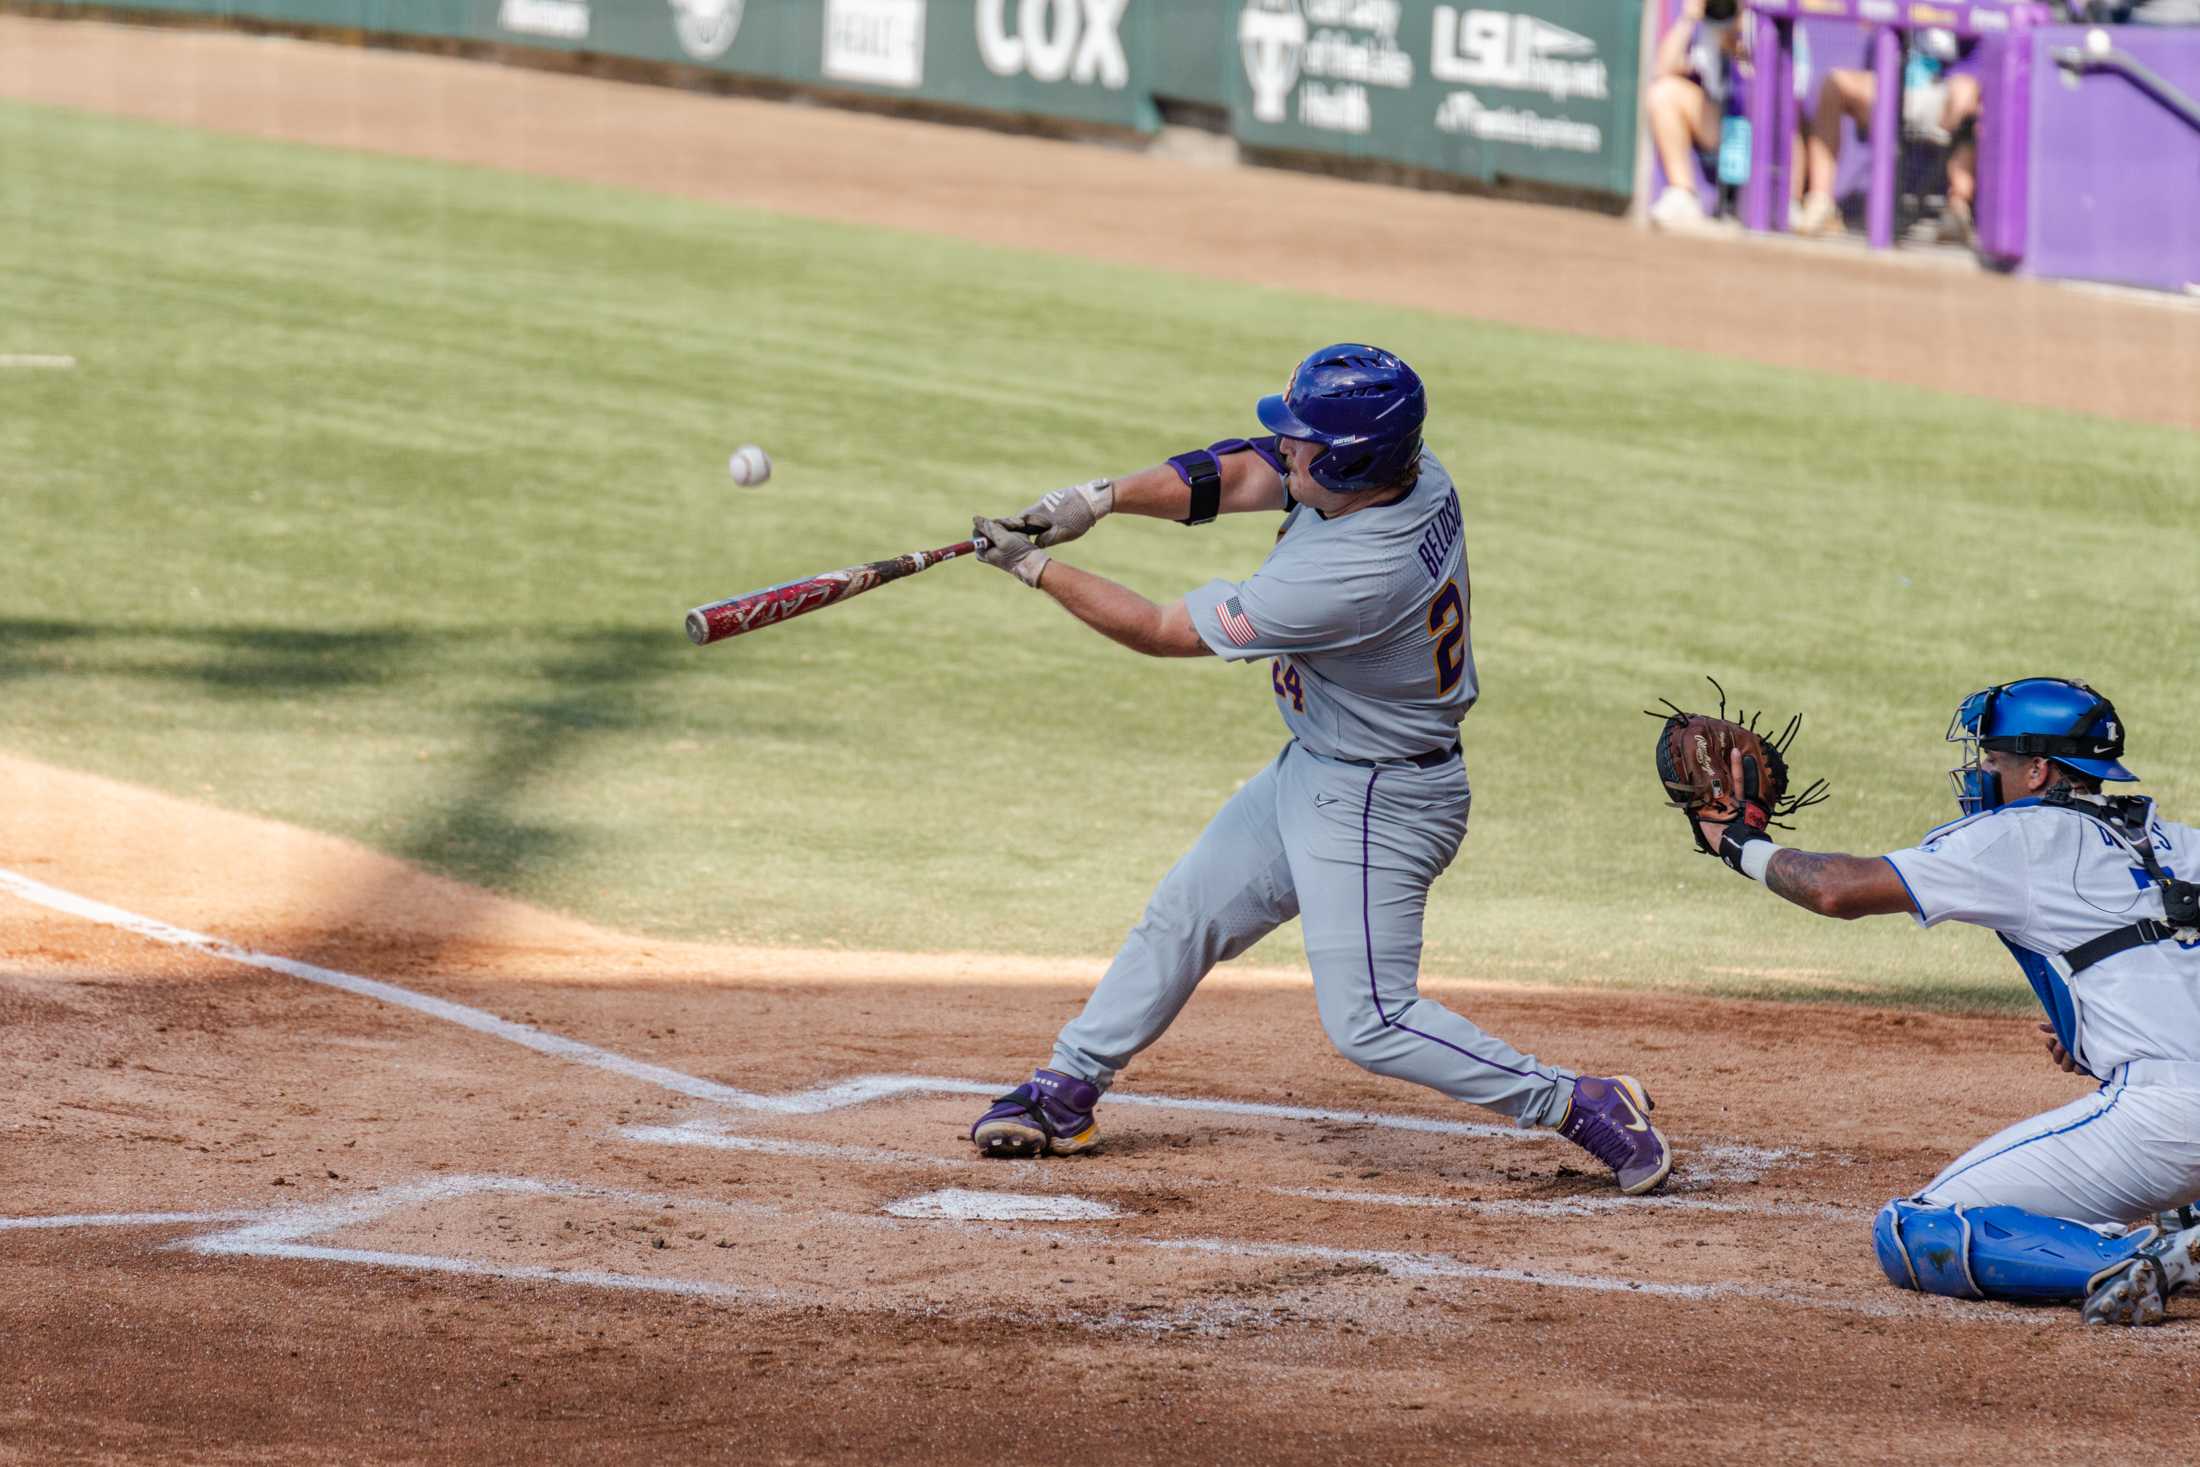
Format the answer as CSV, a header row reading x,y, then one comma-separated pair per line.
x,y
1552,268
564,1194
314,1157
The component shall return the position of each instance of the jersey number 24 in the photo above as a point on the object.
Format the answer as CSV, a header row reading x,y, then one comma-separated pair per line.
x,y
1447,623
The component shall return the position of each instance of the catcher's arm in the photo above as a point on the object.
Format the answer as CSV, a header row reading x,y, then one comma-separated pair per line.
x,y
1825,882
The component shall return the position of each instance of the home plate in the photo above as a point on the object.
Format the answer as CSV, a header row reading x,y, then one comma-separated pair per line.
x,y
962,1205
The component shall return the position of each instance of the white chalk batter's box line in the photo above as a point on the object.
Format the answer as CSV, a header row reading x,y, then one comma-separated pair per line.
x,y
284,1234
1749,1161
1735,1162
716,1135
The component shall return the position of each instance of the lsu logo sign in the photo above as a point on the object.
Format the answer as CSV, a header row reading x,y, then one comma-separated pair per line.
x,y
1055,40
1517,53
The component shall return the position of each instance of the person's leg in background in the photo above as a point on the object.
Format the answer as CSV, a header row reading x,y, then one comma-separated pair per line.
x,y
1846,92
1960,118
1682,121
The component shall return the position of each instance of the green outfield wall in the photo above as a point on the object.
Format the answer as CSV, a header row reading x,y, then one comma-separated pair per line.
x,y
1543,91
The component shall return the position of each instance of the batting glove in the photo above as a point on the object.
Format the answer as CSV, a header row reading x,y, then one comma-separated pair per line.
x,y
1067,513
1010,549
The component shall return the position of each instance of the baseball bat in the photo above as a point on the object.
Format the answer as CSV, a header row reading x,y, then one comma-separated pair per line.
x,y
719,620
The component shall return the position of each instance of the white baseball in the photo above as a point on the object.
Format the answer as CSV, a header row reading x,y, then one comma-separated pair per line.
x,y
749,465
2097,42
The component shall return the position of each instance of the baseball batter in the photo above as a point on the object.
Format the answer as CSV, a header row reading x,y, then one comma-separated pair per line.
x,y
2083,889
1361,612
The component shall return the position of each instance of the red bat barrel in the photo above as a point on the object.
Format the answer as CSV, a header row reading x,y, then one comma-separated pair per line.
x,y
790,599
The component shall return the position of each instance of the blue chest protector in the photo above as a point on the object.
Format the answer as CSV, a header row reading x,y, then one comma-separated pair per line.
x,y
2053,994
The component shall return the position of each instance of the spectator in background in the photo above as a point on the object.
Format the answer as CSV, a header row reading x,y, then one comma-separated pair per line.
x,y
1940,103
1696,65
1697,97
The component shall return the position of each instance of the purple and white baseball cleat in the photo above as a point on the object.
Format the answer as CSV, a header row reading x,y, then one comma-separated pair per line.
x,y
1610,1119
1048,1115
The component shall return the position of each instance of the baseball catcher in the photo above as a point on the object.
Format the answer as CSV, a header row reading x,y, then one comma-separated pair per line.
x,y
2087,1204
1361,613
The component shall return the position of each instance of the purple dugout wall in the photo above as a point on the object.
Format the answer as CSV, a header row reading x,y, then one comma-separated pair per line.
x,y
2107,175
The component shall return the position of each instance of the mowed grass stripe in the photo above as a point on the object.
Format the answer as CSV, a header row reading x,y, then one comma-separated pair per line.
x,y
381,487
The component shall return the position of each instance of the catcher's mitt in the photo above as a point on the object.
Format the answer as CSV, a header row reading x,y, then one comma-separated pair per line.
x,y
1696,764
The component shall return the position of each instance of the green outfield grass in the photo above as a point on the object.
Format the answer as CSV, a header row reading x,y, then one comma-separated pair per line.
x,y
382,486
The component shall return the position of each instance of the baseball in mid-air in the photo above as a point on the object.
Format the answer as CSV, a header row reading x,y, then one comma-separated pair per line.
x,y
750,465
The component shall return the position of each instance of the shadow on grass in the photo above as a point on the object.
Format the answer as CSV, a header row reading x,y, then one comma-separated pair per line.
x,y
591,685
229,661
593,689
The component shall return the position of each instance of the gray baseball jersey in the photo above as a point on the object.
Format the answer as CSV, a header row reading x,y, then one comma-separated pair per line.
x,y
1366,616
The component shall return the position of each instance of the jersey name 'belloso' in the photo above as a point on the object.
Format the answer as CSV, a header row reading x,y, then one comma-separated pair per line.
x,y
1366,618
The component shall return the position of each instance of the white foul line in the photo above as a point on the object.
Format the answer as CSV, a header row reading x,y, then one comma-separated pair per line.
x,y
454,1013
37,360
118,1220
857,1091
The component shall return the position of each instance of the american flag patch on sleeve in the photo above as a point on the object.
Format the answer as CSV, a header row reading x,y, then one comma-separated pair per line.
x,y
1234,624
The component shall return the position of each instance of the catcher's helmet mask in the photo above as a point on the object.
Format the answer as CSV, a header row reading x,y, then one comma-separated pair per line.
x,y
2053,718
1363,405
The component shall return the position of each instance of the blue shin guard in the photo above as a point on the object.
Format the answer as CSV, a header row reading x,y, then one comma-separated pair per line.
x,y
1996,1252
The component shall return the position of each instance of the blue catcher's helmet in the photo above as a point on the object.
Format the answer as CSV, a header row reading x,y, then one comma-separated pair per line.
x,y
1363,405
2047,717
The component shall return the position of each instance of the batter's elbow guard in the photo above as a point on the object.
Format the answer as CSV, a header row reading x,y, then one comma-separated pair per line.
x,y
1201,471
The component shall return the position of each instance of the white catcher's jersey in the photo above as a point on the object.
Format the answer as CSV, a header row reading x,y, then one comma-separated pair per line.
x,y
1366,619
2046,879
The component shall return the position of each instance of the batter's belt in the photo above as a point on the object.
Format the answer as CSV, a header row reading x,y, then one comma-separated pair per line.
x,y
1429,760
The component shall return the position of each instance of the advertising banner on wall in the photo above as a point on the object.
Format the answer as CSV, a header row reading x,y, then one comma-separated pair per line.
x,y
1084,59
1075,59
1543,90
877,42
756,37
1540,90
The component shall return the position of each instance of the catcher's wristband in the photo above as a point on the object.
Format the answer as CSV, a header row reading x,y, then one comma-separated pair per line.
x,y
1746,849
1757,859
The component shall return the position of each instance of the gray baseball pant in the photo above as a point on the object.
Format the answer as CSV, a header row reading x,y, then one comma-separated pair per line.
x,y
1350,851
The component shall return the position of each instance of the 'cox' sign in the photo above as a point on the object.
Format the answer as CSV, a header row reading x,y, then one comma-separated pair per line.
x,y
1055,40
